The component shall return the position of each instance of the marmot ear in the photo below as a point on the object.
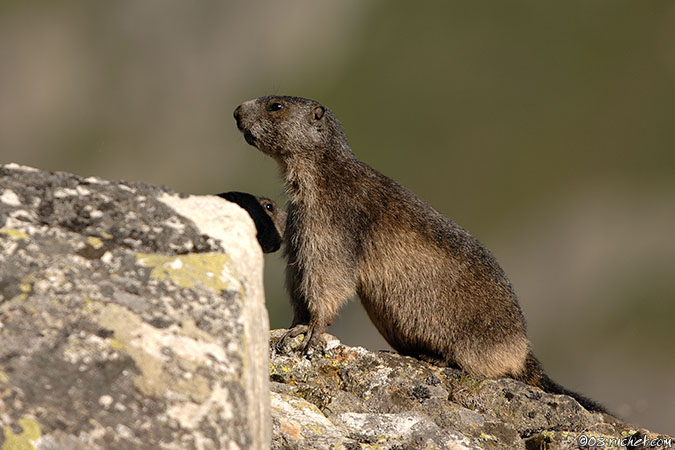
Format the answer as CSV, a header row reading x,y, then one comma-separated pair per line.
x,y
317,113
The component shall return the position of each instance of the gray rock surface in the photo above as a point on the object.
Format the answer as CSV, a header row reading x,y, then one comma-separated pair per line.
x,y
130,317
350,398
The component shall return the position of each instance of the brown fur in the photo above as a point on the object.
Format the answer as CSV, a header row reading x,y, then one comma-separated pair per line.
x,y
431,289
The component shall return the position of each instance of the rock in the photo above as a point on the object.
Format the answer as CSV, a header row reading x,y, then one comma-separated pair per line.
x,y
130,317
134,317
350,398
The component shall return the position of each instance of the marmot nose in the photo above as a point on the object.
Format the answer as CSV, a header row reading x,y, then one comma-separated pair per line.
x,y
237,113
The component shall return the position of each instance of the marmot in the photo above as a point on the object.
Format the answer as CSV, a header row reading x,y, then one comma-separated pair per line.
x,y
432,290
269,219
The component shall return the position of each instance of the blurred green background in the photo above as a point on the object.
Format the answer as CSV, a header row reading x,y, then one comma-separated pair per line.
x,y
546,129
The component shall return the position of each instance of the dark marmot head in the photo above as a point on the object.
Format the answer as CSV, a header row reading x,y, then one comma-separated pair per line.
x,y
269,219
284,127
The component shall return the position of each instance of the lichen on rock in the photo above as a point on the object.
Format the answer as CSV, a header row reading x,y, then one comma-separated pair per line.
x,y
383,400
134,317
124,322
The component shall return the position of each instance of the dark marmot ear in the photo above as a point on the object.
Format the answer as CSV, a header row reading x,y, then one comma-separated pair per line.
x,y
317,112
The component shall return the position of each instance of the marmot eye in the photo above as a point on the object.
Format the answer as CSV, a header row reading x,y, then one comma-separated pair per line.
x,y
269,207
275,106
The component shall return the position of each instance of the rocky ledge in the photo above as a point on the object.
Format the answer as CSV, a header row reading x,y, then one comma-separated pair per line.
x,y
351,398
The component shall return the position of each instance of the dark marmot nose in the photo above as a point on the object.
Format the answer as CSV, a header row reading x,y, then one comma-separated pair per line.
x,y
237,116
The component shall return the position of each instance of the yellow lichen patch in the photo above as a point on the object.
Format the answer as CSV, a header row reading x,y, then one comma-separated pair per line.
x,y
547,434
105,235
3,377
26,287
94,242
15,234
301,404
188,270
316,429
115,344
24,440
26,284
487,437
125,326
145,345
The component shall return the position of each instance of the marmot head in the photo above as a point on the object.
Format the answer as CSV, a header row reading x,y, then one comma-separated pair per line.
x,y
284,127
269,219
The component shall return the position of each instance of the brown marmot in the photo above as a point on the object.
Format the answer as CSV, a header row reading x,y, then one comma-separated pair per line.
x,y
269,219
430,288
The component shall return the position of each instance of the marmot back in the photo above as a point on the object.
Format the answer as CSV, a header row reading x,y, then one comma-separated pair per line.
x,y
430,288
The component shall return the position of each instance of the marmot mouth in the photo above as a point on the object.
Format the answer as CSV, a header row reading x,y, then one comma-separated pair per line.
x,y
249,138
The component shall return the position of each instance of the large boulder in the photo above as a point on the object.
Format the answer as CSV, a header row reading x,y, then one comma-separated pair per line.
x,y
130,317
